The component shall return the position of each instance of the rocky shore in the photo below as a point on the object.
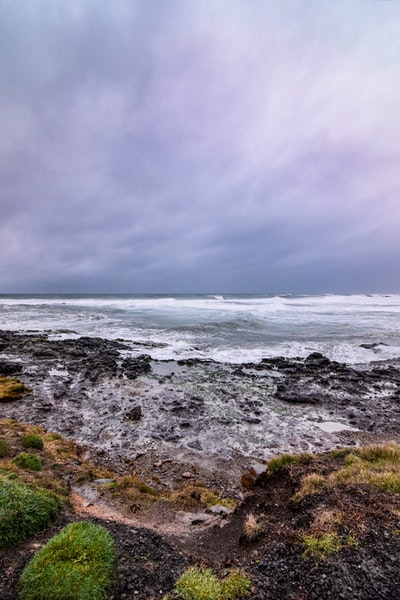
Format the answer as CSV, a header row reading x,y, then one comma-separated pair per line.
x,y
193,425
112,396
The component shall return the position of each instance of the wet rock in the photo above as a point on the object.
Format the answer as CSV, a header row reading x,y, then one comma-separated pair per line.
x,y
258,409
187,518
291,392
134,414
254,476
372,346
252,420
134,367
7,368
317,359
219,509
104,481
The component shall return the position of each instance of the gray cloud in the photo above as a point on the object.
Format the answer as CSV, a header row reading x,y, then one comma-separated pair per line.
x,y
215,146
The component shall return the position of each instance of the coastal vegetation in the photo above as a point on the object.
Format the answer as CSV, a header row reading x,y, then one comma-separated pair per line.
x,y
318,509
32,440
252,527
11,389
26,460
78,563
320,547
276,464
376,465
3,449
24,510
202,584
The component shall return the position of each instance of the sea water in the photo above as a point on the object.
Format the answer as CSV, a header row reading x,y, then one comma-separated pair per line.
x,y
229,328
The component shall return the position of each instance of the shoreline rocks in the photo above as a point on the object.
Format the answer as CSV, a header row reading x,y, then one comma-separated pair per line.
x,y
104,393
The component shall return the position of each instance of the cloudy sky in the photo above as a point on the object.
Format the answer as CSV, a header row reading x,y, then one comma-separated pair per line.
x,y
200,146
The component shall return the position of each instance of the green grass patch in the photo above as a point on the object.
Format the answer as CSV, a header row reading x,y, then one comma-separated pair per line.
x,y
203,584
377,465
311,484
51,437
319,547
275,465
26,460
32,440
76,564
386,453
24,510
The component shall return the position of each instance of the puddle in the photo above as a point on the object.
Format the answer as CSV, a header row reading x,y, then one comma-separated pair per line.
x,y
58,373
334,426
166,368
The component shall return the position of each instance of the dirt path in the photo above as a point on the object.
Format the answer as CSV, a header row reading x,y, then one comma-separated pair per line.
x,y
160,517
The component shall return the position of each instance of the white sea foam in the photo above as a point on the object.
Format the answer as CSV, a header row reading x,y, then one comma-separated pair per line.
x,y
235,329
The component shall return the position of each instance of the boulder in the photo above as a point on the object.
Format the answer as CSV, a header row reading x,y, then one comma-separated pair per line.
x,y
254,476
134,414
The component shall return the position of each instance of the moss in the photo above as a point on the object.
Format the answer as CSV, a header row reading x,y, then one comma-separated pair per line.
x,y
3,449
11,389
319,547
78,563
32,440
203,584
25,460
210,498
24,510
131,485
51,437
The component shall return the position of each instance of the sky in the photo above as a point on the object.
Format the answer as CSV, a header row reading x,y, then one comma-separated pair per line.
x,y
221,146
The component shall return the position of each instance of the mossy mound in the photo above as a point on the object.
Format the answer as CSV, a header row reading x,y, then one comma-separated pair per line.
x,y
32,440
25,460
24,510
78,563
11,389
3,449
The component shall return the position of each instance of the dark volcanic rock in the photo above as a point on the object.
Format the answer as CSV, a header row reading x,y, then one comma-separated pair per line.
x,y
290,392
134,414
7,368
93,390
317,359
134,367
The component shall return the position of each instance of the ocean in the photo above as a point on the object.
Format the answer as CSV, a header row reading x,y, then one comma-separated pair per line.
x,y
229,328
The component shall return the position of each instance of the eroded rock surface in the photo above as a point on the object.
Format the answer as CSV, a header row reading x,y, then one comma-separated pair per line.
x,y
114,397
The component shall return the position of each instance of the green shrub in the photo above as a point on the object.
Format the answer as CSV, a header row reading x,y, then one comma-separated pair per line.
x,y
24,510
203,584
76,564
32,440
25,460
3,449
